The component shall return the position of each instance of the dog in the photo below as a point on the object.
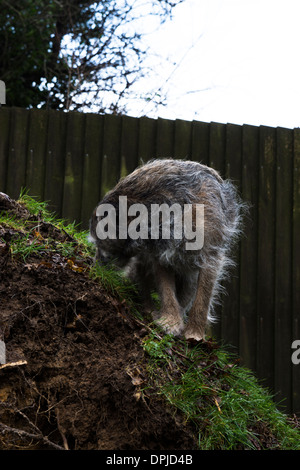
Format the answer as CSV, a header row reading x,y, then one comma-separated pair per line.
x,y
175,200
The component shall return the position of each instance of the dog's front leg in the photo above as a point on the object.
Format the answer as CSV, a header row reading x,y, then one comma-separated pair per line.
x,y
170,315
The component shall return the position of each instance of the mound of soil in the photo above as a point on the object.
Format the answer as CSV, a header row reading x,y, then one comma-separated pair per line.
x,y
74,361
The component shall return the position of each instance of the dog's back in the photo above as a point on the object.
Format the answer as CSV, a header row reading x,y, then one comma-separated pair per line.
x,y
176,183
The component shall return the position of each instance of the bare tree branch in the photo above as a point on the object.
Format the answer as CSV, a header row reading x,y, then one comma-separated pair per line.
x,y
67,53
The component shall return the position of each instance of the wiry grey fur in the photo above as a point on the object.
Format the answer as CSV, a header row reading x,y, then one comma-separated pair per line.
x,y
187,281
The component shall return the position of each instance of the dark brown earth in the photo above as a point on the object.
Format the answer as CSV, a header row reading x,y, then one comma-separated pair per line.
x,y
75,364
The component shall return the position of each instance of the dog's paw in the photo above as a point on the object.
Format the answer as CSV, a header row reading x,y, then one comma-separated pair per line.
x,y
170,325
193,334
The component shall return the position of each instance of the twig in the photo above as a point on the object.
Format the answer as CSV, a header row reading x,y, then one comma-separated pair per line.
x,y
21,433
13,364
62,433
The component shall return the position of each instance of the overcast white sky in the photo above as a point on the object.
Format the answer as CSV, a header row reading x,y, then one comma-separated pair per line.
x,y
238,61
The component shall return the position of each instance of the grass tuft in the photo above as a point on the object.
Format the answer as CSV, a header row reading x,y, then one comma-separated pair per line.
x,y
223,400
114,282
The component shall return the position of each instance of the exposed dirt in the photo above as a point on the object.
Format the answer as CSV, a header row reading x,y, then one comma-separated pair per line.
x,y
75,363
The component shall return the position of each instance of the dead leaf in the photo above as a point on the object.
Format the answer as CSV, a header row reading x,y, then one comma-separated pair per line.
x,y
135,375
217,400
74,266
137,380
137,395
38,235
74,323
46,264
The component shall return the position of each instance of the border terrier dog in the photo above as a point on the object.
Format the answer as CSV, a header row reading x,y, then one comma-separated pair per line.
x,y
176,201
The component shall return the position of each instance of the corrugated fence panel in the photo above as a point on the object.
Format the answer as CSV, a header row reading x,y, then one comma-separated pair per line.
x,y
233,171
55,161
16,167
147,139
92,166
129,145
165,138
296,269
36,151
4,145
72,159
216,160
248,262
200,142
266,254
182,139
74,164
111,163
283,265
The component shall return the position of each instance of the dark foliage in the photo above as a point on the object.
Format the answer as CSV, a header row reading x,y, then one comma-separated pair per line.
x,y
71,54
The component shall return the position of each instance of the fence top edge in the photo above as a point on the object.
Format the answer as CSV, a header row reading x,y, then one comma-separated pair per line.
x,y
192,121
